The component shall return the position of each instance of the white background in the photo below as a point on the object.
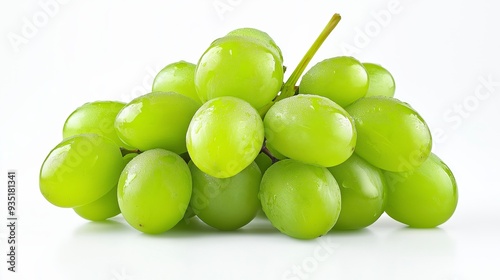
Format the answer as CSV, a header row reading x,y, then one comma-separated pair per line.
x,y
440,53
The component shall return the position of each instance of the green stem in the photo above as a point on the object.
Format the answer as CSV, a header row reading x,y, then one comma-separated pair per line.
x,y
289,86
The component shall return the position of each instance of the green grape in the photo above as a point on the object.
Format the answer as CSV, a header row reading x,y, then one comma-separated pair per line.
x,y
381,81
391,135
101,209
80,170
241,67
106,206
95,117
154,191
259,35
274,152
263,161
225,135
156,120
343,79
177,77
311,129
362,188
189,213
227,203
300,200
423,198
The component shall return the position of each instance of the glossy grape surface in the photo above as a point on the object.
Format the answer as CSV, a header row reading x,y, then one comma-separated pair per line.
x,y
94,117
422,198
391,135
101,209
227,203
300,200
241,67
381,81
80,170
105,207
362,188
225,136
263,161
177,77
156,120
259,35
274,152
311,129
342,79
154,191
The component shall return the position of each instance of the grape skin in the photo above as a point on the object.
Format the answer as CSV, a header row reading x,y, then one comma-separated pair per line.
x,y
225,136
241,67
80,170
105,207
301,200
381,81
101,209
391,135
342,79
422,198
95,117
227,203
154,191
263,161
362,188
177,77
311,129
261,36
156,120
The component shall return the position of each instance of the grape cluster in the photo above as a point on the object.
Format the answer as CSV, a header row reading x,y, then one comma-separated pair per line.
x,y
225,138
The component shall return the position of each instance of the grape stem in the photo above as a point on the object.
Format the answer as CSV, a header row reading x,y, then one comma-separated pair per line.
x,y
268,153
289,86
126,151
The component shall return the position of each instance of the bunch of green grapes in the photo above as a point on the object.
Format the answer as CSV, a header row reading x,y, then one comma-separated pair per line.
x,y
226,137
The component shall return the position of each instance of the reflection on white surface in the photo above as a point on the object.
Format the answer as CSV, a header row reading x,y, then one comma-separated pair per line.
x,y
385,250
73,248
